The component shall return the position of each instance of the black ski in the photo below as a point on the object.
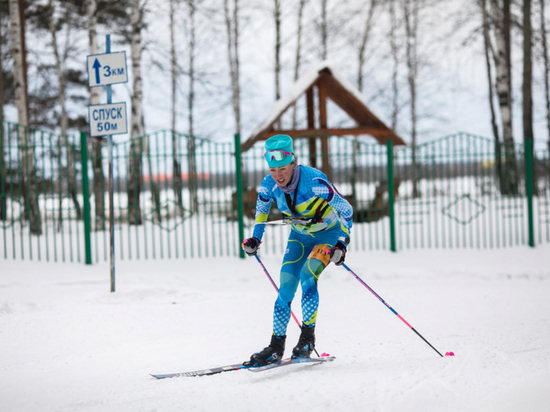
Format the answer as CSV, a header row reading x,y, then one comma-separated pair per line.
x,y
289,361
203,372
240,366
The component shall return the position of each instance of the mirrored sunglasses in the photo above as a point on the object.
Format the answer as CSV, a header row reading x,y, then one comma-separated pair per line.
x,y
277,155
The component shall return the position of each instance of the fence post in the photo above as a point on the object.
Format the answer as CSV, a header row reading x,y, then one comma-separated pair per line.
x,y
239,181
391,197
86,198
528,155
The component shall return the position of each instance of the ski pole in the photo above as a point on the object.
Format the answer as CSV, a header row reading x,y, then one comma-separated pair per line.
x,y
277,289
393,310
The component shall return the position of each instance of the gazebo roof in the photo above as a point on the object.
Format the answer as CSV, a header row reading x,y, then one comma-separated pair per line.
x,y
334,86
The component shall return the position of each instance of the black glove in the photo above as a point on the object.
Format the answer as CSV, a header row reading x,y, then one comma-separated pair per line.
x,y
338,252
251,246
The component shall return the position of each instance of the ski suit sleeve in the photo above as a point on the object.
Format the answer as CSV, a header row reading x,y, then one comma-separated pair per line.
x,y
263,206
338,203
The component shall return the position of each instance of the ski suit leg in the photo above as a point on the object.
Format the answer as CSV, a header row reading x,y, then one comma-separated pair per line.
x,y
303,263
309,275
293,261
310,272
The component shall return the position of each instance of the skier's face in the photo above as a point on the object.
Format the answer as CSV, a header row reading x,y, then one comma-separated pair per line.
x,y
282,175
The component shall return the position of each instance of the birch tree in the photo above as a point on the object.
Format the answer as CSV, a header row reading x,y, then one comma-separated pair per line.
x,y
64,144
527,89
544,42
176,168
277,18
297,58
324,30
502,58
360,69
410,14
97,161
364,42
488,49
28,183
3,200
395,65
153,185
527,73
232,29
191,146
2,84
136,119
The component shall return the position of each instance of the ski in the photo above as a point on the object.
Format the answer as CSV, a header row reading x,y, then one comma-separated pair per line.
x,y
240,366
203,372
289,361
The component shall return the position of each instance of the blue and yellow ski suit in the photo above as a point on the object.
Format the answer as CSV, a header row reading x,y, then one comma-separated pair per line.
x,y
315,198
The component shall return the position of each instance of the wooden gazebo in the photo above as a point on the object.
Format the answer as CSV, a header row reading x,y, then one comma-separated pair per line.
x,y
329,85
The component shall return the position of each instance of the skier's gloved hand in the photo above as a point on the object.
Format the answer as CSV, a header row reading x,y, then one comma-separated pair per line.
x,y
251,246
338,252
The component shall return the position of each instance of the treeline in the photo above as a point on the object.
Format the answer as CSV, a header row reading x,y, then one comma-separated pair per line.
x,y
209,51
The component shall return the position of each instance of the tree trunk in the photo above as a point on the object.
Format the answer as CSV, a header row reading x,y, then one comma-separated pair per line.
x,y
277,15
395,60
97,161
527,73
176,168
64,139
501,19
364,43
360,68
324,30
2,100
3,200
29,186
546,67
411,27
22,37
173,66
191,147
489,50
298,53
136,144
153,186
232,27
528,86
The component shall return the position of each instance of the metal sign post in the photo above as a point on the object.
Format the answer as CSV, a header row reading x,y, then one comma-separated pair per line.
x,y
108,119
111,195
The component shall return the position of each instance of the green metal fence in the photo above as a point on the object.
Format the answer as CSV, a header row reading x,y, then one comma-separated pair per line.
x,y
174,209
450,193
359,172
463,197
179,197
40,195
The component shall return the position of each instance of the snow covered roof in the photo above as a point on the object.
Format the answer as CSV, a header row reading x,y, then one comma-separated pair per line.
x,y
338,89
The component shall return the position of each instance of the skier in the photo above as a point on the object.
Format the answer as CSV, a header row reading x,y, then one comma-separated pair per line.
x,y
321,223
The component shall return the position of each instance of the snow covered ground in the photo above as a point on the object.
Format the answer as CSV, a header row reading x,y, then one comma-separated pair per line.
x,y
68,344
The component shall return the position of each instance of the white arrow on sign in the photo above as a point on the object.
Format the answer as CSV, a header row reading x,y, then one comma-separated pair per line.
x,y
107,68
107,119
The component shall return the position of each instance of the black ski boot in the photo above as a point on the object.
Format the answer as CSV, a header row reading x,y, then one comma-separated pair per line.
x,y
306,343
270,354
